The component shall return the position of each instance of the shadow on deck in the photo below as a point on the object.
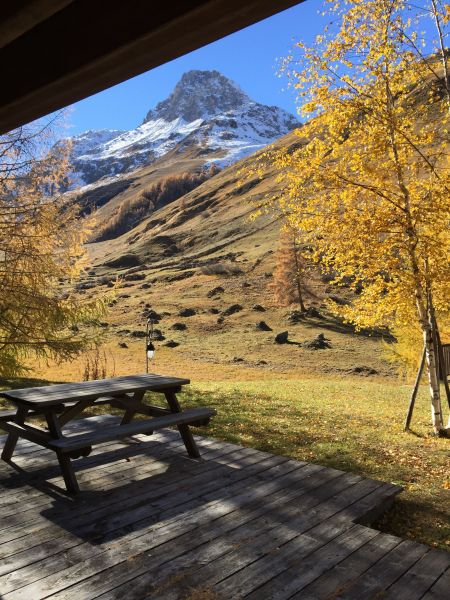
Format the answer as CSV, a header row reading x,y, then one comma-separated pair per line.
x,y
239,523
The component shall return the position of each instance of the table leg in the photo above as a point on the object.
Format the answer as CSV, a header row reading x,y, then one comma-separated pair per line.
x,y
65,463
68,473
184,430
130,411
11,440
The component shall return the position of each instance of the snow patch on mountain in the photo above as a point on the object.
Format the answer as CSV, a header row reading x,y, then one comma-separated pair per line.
x,y
205,109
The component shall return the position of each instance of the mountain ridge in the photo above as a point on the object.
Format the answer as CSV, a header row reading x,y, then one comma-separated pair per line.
x,y
205,110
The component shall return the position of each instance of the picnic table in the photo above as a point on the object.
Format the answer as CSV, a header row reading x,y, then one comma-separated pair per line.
x,y
60,404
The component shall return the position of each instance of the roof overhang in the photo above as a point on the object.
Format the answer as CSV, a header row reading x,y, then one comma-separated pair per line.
x,y
56,52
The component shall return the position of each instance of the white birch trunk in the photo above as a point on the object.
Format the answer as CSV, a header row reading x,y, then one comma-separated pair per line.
x,y
433,379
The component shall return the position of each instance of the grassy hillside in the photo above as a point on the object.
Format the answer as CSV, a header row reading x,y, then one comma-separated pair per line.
x,y
174,258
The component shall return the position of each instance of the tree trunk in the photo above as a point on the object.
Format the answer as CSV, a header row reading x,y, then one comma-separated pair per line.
x,y
433,379
298,277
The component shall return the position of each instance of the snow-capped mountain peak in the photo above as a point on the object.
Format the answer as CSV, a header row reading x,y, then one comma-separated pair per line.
x,y
205,109
199,95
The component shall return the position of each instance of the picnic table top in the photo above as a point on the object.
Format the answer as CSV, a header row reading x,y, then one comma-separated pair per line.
x,y
65,392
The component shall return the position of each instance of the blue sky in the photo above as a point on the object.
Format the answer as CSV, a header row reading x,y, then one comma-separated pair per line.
x,y
249,57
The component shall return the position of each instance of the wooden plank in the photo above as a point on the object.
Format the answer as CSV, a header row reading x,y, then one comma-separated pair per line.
x,y
112,496
78,570
136,450
229,573
144,489
57,394
301,570
7,415
39,464
97,470
227,516
439,590
240,523
282,516
385,572
420,577
121,460
190,416
102,522
32,434
342,575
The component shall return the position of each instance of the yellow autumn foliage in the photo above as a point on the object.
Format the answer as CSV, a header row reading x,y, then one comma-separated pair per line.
x,y
368,186
41,254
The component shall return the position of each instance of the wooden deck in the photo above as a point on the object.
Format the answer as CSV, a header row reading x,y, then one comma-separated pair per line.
x,y
152,523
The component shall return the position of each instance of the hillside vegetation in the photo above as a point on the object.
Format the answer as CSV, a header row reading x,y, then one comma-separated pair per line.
x,y
134,210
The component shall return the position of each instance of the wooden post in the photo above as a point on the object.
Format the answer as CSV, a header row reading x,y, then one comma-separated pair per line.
x,y
415,390
184,430
442,364
11,440
65,464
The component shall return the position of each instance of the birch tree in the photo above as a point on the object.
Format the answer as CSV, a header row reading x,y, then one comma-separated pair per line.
x,y
369,185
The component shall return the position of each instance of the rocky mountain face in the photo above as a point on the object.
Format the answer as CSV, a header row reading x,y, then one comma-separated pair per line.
x,y
206,111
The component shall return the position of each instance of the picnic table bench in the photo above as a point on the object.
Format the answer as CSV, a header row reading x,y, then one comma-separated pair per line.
x,y
61,403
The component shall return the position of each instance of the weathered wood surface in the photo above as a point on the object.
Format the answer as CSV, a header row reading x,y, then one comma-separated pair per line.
x,y
109,434
71,399
240,523
65,392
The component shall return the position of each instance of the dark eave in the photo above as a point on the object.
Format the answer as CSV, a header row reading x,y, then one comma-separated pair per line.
x,y
56,52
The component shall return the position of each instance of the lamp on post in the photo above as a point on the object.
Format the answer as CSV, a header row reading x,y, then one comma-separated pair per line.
x,y
149,346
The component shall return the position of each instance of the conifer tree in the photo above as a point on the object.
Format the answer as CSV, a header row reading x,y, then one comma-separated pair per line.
x,y
41,255
289,273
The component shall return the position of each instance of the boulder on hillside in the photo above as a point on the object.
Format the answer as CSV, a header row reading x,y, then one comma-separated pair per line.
x,y
138,334
187,312
123,345
214,311
231,310
320,342
171,344
158,335
152,315
215,291
179,327
134,277
363,370
262,326
258,308
145,286
282,337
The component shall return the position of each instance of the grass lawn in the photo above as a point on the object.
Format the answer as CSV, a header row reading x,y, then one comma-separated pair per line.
x,y
351,424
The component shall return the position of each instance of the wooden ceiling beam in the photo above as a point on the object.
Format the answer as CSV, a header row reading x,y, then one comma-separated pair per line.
x,y
18,17
90,45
